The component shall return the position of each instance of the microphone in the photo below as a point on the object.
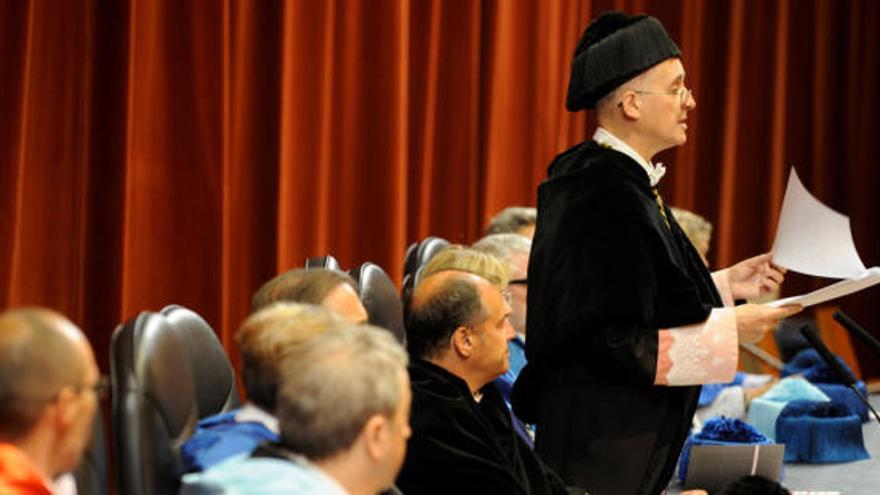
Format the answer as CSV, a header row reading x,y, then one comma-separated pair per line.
x,y
831,360
857,330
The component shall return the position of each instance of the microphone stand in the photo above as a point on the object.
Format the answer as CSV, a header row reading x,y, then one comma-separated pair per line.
x,y
842,374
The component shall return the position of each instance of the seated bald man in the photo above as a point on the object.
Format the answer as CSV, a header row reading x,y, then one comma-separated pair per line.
x,y
49,386
463,439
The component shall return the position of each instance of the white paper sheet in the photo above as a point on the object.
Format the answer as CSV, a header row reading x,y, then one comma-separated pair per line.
x,y
813,239
844,287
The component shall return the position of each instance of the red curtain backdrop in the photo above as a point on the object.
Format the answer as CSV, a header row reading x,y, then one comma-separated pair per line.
x,y
159,151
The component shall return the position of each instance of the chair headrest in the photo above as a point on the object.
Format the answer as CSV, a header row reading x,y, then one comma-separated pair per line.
x,y
328,262
380,298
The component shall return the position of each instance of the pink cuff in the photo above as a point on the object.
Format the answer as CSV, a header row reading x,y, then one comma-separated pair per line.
x,y
723,286
697,354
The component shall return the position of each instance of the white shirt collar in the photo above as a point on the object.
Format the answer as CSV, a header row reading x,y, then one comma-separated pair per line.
x,y
655,171
250,413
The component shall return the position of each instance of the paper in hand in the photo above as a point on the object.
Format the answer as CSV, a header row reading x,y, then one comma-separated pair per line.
x,y
813,239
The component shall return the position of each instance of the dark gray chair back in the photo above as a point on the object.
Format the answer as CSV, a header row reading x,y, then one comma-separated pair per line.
x,y
91,473
380,298
417,258
328,262
213,374
166,374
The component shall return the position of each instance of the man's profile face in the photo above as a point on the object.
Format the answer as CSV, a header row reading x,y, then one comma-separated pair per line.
x,y
76,435
492,356
664,113
345,301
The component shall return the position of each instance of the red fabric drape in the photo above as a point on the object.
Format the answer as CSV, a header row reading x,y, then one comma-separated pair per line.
x,y
157,151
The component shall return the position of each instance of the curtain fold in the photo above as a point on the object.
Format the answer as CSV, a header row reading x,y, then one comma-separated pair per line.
x,y
157,151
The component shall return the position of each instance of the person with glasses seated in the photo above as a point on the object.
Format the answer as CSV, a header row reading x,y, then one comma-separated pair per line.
x,y
49,392
514,250
624,320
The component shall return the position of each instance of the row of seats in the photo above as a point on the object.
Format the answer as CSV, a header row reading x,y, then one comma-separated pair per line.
x,y
169,370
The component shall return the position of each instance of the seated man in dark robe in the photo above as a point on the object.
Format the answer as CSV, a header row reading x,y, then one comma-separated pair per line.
x,y
463,440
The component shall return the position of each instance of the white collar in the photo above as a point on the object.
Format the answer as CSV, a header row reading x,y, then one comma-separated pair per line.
x,y
605,138
250,413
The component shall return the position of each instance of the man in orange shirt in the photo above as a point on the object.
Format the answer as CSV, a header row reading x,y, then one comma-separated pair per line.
x,y
48,397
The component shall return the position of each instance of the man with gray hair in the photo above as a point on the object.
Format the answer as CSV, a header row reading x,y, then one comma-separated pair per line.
x,y
343,408
514,220
49,387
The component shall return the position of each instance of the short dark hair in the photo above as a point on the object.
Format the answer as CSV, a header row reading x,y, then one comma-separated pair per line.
x,y
754,485
431,323
301,286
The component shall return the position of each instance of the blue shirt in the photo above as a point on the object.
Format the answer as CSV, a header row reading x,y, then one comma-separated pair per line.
x,y
244,475
505,382
222,436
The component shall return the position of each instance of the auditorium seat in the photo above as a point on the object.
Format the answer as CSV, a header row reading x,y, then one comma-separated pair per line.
x,y
409,259
213,375
91,473
328,262
166,374
380,298
421,254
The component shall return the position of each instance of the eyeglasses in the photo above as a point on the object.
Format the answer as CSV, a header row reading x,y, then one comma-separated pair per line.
x,y
519,281
101,387
684,94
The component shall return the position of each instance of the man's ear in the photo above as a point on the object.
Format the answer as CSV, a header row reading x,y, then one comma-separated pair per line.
x,y
376,432
463,341
66,407
629,105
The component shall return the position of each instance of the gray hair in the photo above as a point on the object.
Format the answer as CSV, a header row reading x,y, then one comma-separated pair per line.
x,y
268,335
511,219
333,384
504,245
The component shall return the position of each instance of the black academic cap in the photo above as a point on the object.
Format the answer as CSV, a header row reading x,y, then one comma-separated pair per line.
x,y
615,48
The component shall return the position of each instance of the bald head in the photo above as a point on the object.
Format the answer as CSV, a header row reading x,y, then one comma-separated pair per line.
x,y
40,353
440,304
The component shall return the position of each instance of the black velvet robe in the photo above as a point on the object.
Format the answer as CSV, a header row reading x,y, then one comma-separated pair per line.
x,y
606,273
461,446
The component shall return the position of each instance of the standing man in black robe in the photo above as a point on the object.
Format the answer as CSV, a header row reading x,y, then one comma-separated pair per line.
x,y
624,320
